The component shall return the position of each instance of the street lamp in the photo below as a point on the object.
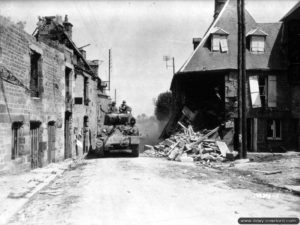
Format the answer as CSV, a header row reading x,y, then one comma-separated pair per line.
x,y
168,58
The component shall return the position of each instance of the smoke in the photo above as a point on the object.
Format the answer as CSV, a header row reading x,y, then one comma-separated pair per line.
x,y
150,129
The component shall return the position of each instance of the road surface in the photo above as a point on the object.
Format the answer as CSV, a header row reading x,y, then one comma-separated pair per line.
x,y
148,191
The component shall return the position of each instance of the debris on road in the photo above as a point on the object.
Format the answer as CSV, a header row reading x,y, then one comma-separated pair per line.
x,y
189,146
269,172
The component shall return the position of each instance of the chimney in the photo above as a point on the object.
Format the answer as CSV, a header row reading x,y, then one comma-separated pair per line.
x,y
68,26
219,4
83,53
95,66
196,42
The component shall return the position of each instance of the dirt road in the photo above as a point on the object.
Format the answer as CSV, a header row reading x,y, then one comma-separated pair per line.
x,y
129,191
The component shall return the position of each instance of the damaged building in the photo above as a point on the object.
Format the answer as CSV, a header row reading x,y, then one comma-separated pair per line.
x,y
50,95
205,89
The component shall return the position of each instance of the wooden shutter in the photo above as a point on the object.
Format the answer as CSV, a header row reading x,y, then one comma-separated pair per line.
x,y
254,91
215,43
224,45
272,91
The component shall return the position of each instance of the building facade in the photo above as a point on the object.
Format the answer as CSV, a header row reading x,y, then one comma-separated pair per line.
x,y
49,101
207,83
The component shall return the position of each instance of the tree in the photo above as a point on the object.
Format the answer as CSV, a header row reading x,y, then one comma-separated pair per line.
x,y
163,106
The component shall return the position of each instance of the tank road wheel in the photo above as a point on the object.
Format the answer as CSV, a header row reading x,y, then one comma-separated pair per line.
x,y
135,150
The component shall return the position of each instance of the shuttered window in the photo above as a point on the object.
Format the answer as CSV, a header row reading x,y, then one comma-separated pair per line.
x,y
263,91
216,43
219,43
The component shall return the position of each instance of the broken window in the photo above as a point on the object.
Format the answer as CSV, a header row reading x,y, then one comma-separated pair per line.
x,y
219,43
274,129
16,133
257,44
35,73
263,90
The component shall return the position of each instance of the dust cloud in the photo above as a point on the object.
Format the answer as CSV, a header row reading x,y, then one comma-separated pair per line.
x,y
150,129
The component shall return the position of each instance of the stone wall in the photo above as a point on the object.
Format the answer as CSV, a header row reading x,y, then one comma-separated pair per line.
x,y
16,103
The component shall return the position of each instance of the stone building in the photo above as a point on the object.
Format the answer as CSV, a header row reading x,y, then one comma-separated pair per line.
x,y
207,82
49,101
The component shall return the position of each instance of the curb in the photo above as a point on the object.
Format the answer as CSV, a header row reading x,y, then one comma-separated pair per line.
x,y
19,203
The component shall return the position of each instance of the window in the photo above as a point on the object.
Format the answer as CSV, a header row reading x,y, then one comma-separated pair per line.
x,y
274,129
16,133
219,43
263,90
78,101
35,73
86,91
257,44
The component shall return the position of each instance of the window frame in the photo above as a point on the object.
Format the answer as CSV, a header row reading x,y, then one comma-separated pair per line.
x,y
15,142
35,74
268,96
86,98
264,87
274,130
252,41
216,43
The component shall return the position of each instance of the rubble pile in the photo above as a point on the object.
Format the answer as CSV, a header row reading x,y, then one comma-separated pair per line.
x,y
189,146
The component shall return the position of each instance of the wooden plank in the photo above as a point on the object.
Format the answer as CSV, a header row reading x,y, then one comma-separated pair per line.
x,y
222,147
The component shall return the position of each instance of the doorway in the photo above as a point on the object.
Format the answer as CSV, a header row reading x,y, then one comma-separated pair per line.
x,y
35,154
68,142
51,141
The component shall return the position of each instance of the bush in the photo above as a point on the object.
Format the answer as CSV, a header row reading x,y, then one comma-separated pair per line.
x,y
163,106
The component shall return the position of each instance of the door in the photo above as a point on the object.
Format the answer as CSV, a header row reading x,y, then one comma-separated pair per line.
x,y
252,134
51,141
68,127
34,143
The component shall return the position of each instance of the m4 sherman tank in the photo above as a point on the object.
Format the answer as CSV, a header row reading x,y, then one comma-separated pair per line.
x,y
120,134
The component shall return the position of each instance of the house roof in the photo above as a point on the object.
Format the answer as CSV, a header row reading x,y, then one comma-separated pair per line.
x,y
257,32
294,13
203,59
218,30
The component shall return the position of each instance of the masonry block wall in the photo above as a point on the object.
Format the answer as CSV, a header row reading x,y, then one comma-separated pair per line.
x,y
93,111
287,110
18,106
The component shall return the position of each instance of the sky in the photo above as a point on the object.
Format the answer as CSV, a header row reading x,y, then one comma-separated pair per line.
x,y
139,34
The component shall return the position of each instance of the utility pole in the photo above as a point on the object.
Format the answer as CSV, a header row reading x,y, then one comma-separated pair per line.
x,y
168,58
109,67
242,78
115,95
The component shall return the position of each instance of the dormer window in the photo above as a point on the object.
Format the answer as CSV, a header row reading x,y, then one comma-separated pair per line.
x,y
219,42
257,38
257,44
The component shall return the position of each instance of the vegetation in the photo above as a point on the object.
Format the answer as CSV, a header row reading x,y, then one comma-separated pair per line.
x,y
163,106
